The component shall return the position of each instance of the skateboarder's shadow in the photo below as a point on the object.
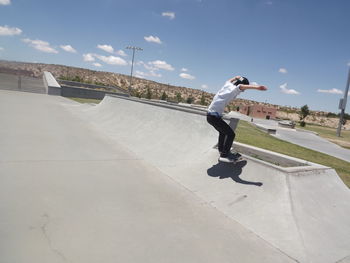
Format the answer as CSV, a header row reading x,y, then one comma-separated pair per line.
x,y
226,170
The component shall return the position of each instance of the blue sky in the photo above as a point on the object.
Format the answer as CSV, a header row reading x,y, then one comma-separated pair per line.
x,y
300,49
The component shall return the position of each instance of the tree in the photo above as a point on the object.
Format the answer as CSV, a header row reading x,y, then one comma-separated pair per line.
x,y
304,112
164,96
148,94
203,102
178,97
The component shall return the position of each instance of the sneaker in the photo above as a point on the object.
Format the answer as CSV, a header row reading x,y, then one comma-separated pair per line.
x,y
235,155
227,159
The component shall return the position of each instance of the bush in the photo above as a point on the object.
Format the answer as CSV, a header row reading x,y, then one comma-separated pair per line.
x,y
178,97
189,100
302,123
203,102
164,96
148,94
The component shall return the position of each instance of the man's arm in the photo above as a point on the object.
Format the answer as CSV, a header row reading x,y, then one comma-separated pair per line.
x,y
243,87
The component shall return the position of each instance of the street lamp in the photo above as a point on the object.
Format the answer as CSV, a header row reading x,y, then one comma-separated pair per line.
x,y
342,105
132,63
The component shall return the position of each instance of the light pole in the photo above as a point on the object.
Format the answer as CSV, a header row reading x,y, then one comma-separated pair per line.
x,y
342,105
132,63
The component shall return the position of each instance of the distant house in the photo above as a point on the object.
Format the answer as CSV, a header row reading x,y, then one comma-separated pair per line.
x,y
258,111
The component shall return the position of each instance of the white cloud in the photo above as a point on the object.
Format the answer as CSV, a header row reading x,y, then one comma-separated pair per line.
x,y
5,2
1,49
9,31
349,64
97,65
154,74
88,57
107,48
121,53
184,69
204,86
186,76
153,39
269,3
148,67
331,91
112,60
283,71
68,48
141,74
161,65
40,45
171,15
284,89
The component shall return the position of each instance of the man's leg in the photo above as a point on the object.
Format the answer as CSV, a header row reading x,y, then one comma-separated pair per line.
x,y
221,142
226,136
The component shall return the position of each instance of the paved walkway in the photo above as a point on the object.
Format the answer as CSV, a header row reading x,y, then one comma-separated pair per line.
x,y
305,139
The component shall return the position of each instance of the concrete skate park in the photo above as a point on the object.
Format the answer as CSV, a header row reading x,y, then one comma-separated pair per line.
x,y
130,180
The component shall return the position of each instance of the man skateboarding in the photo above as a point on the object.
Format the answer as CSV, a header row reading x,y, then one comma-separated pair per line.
x,y
232,88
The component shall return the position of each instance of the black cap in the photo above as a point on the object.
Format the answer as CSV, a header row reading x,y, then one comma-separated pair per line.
x,y
242,80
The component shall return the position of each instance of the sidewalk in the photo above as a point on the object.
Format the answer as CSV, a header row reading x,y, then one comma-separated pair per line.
x,y
302,138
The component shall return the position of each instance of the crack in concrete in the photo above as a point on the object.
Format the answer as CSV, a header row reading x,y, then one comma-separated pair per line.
x,y
48,239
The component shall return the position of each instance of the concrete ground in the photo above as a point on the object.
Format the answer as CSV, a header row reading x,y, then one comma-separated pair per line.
x,y
298,210
68,193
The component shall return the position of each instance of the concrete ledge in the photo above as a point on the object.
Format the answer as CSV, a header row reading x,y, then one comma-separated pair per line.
x,y
51,85
267,129
76,84
287,124
85,93
275,160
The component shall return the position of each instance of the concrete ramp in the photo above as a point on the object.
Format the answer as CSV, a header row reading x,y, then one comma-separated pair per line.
x,y
302,209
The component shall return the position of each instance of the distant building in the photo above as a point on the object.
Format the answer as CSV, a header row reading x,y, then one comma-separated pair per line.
x,y
258,111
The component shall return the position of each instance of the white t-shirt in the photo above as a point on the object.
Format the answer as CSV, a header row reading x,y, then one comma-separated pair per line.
x,y
227,93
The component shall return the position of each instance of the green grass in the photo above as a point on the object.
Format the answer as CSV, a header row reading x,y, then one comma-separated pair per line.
x,y
80,100
249,134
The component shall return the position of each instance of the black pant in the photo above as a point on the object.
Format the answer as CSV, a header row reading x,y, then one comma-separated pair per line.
x,y
226,134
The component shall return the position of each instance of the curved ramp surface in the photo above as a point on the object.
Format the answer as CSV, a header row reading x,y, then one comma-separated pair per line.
x,y
302,211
